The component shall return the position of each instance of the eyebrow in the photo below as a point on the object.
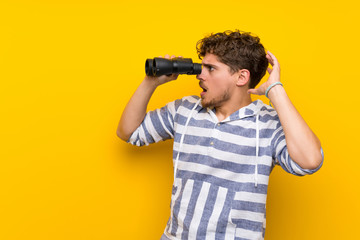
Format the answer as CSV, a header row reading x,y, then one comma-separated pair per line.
x,y
209,65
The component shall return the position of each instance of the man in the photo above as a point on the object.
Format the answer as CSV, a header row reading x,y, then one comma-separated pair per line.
x,y
225,145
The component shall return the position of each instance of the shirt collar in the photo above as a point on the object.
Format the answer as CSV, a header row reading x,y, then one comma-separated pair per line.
x,y
247,111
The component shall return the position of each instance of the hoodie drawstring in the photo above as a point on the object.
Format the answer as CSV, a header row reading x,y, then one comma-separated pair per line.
x,y
257,149
182,136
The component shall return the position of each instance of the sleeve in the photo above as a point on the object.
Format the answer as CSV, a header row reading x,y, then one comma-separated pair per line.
x,y
158,125
281,155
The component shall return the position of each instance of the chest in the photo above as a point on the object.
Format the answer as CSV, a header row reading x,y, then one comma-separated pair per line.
x,y
219,143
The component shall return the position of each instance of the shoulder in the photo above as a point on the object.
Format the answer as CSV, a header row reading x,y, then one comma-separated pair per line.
x,y
267,113
184,103
264,108
190,100
187,102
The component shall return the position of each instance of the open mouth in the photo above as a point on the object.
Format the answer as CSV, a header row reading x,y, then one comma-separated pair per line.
x,y
203,88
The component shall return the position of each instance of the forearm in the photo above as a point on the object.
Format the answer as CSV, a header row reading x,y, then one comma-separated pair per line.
x,y
303,145
135,111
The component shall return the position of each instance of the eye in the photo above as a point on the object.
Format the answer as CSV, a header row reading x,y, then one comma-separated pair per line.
x,y
211,68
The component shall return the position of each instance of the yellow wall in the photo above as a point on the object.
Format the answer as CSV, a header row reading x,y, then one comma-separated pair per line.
x,y
67,69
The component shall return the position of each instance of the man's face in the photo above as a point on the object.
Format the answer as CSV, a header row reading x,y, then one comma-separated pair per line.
x,y
216,81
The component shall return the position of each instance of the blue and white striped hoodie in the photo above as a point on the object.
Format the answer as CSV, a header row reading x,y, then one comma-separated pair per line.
x,y
221,169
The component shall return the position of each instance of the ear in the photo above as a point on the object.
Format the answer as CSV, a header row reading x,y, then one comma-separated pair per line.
x,y
243,77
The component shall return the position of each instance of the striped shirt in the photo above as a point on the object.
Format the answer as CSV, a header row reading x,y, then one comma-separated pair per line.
x,y
221,168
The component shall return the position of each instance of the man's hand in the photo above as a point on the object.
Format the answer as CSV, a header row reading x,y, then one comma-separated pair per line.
x,y
164,78
135,110
274,75
303,145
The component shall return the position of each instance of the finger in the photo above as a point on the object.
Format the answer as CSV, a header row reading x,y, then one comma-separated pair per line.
x,y
167,56
272,55
174,76
269,70
253,91
269,58
274,59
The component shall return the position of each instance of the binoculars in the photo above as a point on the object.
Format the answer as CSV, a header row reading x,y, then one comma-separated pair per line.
x,y
162,66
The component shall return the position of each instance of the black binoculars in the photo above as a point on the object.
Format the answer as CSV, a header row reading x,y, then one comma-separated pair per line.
x,y
162,66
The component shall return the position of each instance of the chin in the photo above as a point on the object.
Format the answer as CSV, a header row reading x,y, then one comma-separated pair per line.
x,y
203,103
206,104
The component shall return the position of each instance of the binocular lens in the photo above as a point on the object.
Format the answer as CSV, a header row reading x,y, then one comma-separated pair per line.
x,y
162,66
149,67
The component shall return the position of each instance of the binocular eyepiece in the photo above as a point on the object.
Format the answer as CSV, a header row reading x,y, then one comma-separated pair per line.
x,y
162,66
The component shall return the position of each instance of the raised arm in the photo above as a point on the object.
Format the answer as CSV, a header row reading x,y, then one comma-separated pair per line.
x,y
135,110
303,146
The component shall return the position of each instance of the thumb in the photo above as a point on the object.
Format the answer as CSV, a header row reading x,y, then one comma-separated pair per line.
x,y
253,91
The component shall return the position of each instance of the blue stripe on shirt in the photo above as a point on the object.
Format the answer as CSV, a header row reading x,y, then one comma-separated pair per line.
x,y
225,156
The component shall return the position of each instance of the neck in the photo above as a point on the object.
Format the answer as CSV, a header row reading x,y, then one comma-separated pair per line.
x,y
232,105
